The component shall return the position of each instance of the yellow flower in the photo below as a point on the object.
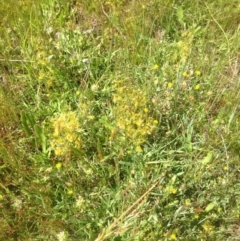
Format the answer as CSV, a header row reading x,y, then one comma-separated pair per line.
x,y
91,117
187,202
173,236
58,165
184,74
170,84
143,6
58,151
173,190
70,192
139,149
208,227
155,122
156,66
197,72
196,216
225,168
139,122
145,110
70,137
197,87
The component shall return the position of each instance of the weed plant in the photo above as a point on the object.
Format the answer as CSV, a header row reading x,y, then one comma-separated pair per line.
x,y
119,120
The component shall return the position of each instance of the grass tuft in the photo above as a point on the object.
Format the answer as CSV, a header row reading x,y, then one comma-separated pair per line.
x,y
119,120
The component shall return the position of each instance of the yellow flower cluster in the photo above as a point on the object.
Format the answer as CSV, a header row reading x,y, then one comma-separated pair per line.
x,y
185,45
66,133
131,116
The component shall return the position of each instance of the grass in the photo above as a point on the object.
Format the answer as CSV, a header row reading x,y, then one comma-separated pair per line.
x,y
119,120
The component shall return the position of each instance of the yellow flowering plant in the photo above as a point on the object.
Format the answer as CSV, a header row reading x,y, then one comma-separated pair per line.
x,y
66,133
133,121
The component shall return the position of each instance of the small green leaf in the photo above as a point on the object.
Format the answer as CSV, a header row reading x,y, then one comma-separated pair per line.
x,y
173,179
207,158
209,207
25,124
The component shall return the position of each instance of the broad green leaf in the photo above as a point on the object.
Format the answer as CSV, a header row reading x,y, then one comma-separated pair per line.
x,y
209,207
180,15
41,137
